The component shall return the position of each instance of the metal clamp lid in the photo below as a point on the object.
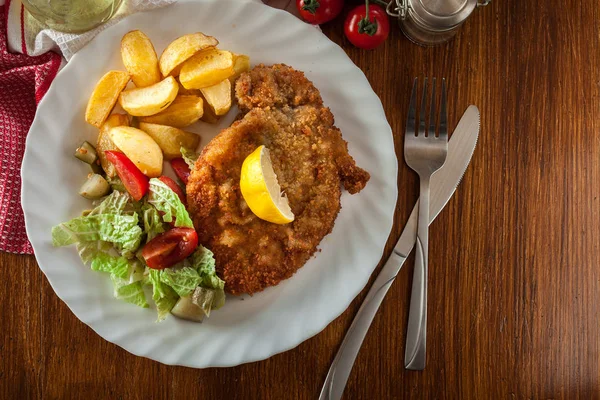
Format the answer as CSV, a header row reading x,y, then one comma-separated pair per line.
x,y
400,10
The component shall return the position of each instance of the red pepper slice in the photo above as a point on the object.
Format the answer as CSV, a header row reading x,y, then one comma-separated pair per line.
x,y
136,183
182,170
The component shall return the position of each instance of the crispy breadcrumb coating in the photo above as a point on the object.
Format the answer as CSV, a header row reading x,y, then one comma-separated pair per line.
x,y
281,109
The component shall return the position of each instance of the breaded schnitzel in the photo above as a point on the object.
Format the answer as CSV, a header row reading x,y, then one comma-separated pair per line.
x,y
281,109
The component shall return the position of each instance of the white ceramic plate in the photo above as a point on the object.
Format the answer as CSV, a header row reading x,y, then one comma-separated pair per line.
x,y
249,328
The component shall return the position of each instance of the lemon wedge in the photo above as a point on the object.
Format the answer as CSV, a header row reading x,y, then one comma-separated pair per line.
x,y
259,186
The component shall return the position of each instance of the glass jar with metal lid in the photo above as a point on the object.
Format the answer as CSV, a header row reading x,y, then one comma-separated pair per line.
x,y
431,22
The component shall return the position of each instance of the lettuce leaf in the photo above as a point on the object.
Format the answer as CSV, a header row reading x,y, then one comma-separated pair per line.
x,y
119,203
122,230
166,201
183,280
162,294
126,277
189,157
89,250
120,267
130,292
165,304
158,287
210,293
114,220
114,203
153,223
116,266
204,262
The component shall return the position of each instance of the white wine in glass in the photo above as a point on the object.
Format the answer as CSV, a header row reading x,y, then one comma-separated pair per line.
x,y
72,15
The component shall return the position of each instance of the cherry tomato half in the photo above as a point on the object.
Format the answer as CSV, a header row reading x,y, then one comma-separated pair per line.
x,y
170,247
182,170
174,187
367,33
319,11
136,183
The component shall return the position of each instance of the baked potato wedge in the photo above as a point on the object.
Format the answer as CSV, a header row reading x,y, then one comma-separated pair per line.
x,y
182,90
183,111
171,139
206,68
241,64
139,58
140,148
218,97
104,97
105,143
182,49
209,115
141,102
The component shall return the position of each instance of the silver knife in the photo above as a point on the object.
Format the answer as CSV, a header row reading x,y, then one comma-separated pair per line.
x,y
443,184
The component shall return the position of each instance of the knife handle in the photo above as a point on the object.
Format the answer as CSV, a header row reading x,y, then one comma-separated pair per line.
x,y
416,333
341,367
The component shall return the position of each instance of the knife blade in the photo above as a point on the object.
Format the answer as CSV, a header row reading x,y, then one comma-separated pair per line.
x,y
443,185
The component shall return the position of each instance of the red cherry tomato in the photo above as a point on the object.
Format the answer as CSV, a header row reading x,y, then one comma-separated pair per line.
x,y
319,11
174,187
182,170
367,33
170,247
136,183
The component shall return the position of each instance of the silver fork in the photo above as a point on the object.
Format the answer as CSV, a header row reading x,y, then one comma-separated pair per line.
x,y
425,153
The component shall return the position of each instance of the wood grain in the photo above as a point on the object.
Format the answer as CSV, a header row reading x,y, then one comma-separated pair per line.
x,y
514,257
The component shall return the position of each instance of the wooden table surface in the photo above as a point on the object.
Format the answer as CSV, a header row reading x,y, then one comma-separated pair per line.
x,y
514,261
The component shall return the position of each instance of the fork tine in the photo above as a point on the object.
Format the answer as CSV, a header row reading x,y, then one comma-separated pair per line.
x,y
422,110
443,114
431,129
411,119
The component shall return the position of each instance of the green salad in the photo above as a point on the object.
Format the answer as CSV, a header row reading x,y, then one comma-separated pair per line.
x,y
147,243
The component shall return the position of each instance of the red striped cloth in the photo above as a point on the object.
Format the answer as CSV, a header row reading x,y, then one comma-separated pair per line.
x,y
23,82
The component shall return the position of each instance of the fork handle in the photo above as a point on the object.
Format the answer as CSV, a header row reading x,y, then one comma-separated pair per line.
x,y
416,334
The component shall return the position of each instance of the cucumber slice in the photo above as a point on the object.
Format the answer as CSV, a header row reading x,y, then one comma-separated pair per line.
x,y
186,309
87,153
95,187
